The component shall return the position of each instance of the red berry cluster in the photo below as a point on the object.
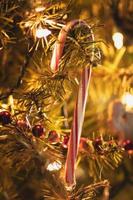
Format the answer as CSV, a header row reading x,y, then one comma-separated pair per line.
x,y
37,130
53,137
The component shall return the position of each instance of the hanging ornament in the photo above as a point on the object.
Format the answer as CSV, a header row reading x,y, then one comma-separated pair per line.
x,y
38,130
53,137
5,117
120,120
80,106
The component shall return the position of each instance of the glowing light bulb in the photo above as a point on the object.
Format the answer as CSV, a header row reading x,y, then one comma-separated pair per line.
x,y
127,99
40,33
55,166
118,40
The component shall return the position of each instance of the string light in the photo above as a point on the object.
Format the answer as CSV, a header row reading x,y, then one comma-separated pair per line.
x,y
118,40
55,166
40,33
127,99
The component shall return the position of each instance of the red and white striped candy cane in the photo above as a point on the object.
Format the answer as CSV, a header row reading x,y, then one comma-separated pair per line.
x,y
79,110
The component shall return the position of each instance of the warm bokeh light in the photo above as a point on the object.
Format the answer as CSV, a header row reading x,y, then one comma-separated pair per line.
x,y
11,103
127,99
55,166
40,9
3,106
40,33
118,40
10,100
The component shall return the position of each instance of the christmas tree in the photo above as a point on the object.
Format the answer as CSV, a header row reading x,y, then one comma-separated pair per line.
x,y
66,99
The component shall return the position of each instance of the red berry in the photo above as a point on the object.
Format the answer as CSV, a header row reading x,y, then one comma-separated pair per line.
x,y
22,124
65,141
5,117
83,144
38,130
128,145
97,144
53,137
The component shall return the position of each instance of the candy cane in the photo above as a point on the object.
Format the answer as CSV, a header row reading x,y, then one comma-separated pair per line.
x,y
79,110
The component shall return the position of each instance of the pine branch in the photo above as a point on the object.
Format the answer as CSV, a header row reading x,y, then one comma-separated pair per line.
x,y
88,192
23,69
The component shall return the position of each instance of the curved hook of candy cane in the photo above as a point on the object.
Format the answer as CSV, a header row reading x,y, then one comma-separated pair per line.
x,y
59,45
79,110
